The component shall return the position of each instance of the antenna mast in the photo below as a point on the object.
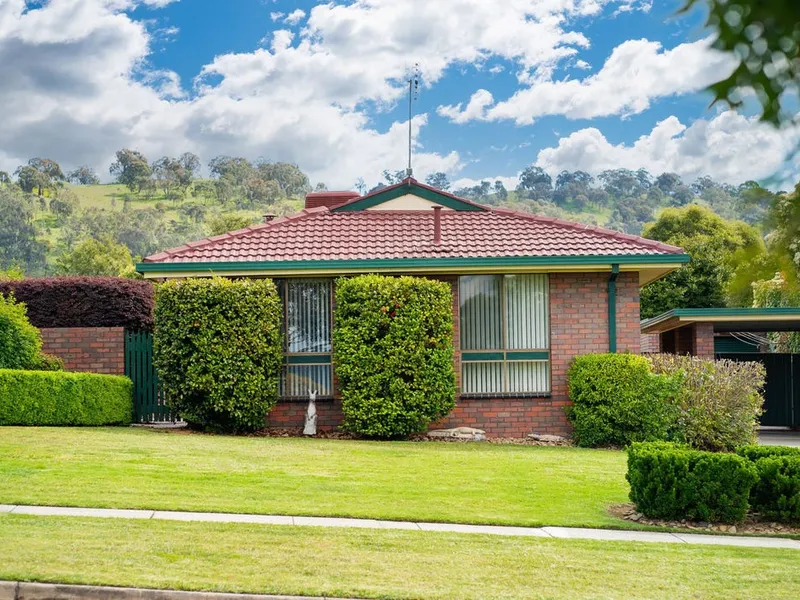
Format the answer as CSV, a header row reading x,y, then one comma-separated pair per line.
x,y
413,91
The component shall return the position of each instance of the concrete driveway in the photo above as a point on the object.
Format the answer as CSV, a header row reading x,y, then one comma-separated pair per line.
x,y
779,437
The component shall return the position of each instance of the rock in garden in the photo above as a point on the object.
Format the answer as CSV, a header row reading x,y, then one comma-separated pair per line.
x,y
459,433
546,438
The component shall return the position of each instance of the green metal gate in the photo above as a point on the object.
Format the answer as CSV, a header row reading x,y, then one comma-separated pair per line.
x,y
148,397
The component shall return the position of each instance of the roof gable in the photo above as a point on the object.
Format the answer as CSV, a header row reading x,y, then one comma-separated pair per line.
x,y
408,187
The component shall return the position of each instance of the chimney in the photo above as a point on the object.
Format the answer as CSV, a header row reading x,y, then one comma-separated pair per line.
x,y
329,199
437,225
268,217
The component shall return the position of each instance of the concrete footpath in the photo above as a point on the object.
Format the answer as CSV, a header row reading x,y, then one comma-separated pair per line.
x,y
21,590
578,533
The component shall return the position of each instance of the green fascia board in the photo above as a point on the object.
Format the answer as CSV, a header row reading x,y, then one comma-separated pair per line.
x,y
343,265
699,313
395,192
308,359
491,356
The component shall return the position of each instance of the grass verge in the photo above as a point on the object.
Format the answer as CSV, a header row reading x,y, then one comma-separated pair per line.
x,y
380,564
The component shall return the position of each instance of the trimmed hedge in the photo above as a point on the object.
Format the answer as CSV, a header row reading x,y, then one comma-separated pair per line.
x,y
670,481
616,400
393,353
85,301
218,348
60,398
776,495
719,401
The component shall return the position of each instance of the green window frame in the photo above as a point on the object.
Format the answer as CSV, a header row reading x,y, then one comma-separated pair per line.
x,y
307,323
505,334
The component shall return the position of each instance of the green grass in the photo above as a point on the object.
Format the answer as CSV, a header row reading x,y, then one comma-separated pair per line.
x,y
467,483
380,564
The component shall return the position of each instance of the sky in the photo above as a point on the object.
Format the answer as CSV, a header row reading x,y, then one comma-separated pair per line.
x,y
504,84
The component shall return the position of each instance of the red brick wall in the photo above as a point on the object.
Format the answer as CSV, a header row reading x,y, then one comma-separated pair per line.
x,y
90,349
703,342
650,343
579,325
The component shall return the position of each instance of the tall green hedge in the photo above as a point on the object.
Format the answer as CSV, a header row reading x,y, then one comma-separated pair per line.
x,y
20,342
670,481
59,398
617,399
218,349
393,353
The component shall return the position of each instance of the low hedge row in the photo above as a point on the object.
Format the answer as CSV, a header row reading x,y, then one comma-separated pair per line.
x,y
776,495
672,481
61,398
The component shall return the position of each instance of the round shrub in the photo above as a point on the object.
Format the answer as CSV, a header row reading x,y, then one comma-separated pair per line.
x,y
393,353
217,346
20,342
617,399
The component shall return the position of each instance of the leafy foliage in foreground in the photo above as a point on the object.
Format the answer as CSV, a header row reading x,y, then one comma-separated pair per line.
x,y
393,353
218,348
20,342
776,495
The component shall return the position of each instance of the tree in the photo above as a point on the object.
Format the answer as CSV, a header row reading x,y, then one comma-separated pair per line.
x,y
195,212
103,257
500,191
39,174
535,183
4,177
18,243
394,177
360,186
668,182
219,224
438,180
29,179
83,175
717,248
763,39
290,179
621,182
131,169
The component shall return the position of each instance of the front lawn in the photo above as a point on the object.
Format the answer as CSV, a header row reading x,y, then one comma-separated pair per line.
x,y
381,564
467,483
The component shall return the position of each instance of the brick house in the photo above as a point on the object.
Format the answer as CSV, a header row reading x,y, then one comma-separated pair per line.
x,y
529,293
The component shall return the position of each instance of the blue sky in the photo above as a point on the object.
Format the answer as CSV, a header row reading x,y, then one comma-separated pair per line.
x,y
566,84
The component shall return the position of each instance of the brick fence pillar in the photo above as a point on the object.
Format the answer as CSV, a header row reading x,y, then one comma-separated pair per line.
x,y
703,340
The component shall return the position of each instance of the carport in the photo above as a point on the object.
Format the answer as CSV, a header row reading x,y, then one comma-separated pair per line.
x,y
736,334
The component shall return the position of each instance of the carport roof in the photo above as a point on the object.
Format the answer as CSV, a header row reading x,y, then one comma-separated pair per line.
x,y
727,319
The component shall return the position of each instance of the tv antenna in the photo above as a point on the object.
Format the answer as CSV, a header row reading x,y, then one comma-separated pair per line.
x,y
413,94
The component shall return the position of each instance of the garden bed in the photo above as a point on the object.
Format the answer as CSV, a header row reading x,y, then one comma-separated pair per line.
x,y
753,524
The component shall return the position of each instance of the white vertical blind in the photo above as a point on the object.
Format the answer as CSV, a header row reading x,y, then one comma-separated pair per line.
x,y
481,327
527,300
528,376
482,377
299,380
308,315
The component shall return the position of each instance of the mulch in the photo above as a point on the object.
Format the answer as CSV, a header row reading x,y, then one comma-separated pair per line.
x,y
752,524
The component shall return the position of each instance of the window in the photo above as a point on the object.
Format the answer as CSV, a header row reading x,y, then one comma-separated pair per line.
x,y
307,327
505,334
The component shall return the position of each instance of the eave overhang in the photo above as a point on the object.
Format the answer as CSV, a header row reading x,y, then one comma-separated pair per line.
x,y
726,320
649,266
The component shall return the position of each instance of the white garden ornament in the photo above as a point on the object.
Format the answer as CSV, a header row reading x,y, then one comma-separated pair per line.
x,y
311,414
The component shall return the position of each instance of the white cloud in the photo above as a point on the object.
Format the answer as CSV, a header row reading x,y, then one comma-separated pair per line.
x,y
636,73
583,65
474,110
276,16
294,17
729,147
75,83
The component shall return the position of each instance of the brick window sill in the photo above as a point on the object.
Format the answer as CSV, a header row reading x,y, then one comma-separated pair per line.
x,y
504,396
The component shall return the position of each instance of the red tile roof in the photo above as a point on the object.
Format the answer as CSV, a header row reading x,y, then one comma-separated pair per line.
x,y
319,234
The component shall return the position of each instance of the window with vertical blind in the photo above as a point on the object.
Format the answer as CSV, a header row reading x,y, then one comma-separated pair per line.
x,y
307,327
505,334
